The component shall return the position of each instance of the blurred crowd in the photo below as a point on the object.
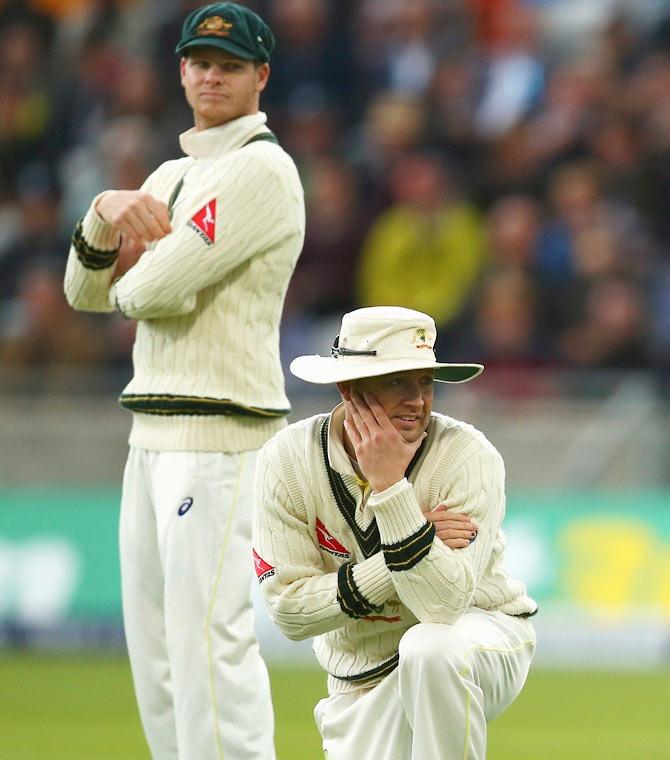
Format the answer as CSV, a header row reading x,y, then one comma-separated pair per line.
x,y
503,165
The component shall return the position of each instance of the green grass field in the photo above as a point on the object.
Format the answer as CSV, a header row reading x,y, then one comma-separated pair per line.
x,y
82,708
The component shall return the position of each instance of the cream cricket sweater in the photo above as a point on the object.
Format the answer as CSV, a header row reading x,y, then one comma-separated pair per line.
x,y
208,297
357,570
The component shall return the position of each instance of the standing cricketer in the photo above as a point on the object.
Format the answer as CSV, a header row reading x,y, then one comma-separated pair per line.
x,y
212,239
423,643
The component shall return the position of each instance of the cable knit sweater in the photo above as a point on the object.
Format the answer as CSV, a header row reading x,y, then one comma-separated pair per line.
x,y
208,297
356,569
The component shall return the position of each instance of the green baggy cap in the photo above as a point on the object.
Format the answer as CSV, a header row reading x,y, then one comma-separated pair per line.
x,y
228,26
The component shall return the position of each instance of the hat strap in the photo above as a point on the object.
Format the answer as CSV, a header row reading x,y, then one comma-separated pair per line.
x,y
336,351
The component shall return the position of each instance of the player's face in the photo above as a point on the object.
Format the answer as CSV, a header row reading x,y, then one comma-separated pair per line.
x,y
220,87
406,397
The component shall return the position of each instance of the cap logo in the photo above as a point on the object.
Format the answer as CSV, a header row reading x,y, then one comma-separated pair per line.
x,y
420,339
214,26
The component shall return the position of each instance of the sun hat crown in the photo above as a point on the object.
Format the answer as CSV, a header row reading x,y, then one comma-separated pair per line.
x,y
380,340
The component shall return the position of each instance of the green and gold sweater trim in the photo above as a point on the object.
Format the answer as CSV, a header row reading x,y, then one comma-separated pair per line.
x,y
90,257
198,406
411,550
369,539
351,600
379,672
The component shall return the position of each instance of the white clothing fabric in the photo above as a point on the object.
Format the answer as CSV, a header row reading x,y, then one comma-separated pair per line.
x,y
185,528
450,681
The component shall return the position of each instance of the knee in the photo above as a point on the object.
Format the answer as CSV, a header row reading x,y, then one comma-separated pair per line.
x,y
434,646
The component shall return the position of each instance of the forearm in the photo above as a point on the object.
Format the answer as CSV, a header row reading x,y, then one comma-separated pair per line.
x,y
433,581
139,295
311,605
91,264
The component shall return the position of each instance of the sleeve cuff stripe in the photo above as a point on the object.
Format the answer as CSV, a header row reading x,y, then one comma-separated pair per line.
x,y
90,257
355,592
350,599
405,554
416,538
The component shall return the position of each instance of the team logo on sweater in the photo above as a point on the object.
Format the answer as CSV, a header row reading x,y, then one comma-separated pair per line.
x,y
204,222
263,570
330,543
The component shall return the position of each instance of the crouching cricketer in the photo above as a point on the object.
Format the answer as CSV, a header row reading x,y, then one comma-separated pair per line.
x,y
423,643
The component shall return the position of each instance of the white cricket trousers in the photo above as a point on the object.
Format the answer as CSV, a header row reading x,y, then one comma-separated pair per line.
x,y
450,680
185,540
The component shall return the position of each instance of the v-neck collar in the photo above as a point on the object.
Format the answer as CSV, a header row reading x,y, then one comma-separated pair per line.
x,y
337,464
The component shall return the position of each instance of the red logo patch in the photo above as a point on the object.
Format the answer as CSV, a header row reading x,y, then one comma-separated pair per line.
x,y
263,570
329,543
204,222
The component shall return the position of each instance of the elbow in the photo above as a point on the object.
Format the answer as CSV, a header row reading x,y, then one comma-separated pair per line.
x,y
446,614
288,628
151,305
73,301
295,635
79,302
440,615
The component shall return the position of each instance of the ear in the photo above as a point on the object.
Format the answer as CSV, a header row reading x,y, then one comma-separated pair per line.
x,y
345,390
182,69
262,76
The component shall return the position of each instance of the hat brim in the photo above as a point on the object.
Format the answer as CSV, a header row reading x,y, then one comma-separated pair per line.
x,y
326,369
218,42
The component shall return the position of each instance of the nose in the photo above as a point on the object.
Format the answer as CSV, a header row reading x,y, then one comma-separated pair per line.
x,y
214,73
414,395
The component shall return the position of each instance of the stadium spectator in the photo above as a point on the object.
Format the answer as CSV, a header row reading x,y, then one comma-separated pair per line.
x,y
336,224
39,332
427,249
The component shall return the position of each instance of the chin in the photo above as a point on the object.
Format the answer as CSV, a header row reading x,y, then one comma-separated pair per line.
x,y
411,436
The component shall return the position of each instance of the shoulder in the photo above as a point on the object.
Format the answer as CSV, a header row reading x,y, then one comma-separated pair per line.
x,y
459,441
173,166
169,171
269,158
300,438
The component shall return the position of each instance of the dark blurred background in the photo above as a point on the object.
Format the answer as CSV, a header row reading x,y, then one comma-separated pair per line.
x,y
501,164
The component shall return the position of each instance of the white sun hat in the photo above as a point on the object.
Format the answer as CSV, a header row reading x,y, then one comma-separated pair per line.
x,y
379,340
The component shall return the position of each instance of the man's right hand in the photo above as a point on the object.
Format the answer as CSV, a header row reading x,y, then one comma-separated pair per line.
x,y
137,215
129,254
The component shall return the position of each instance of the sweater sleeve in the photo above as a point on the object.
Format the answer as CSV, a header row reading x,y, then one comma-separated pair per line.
x,y
232,217
434,581
302,596
91,263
